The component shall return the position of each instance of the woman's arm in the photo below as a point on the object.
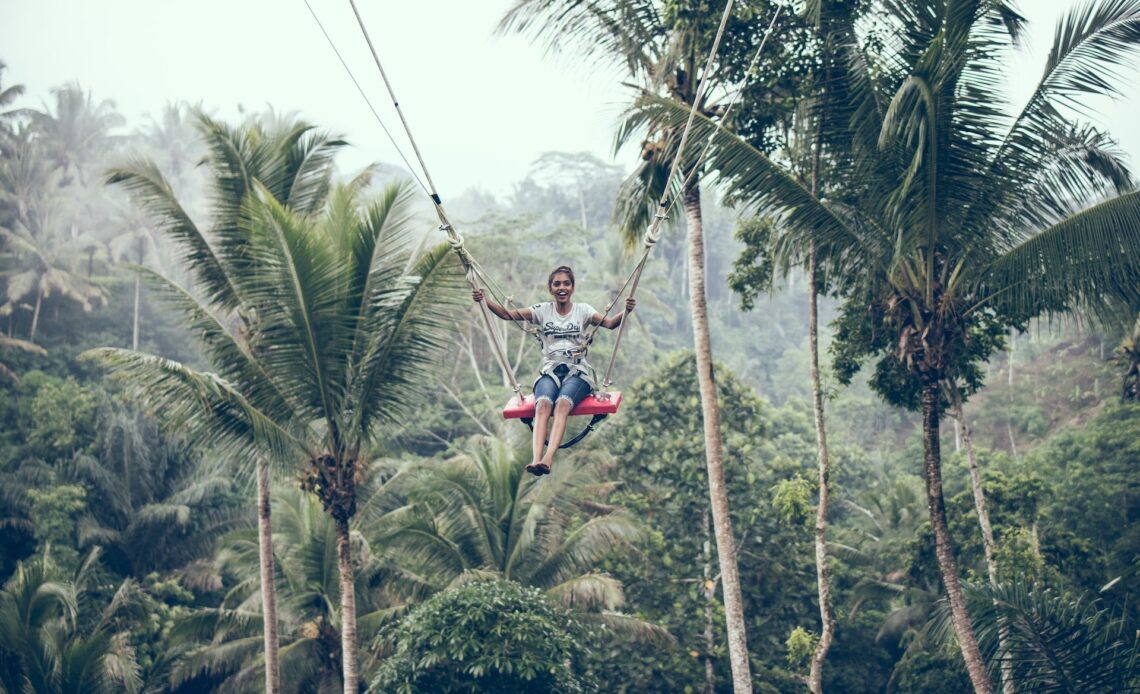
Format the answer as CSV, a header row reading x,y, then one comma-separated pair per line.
x,y
500,310
614,321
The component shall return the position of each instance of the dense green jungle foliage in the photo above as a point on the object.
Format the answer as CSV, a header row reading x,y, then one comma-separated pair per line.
x,y
128,547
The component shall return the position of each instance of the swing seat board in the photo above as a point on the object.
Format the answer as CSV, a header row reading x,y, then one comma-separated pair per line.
x,y
590,406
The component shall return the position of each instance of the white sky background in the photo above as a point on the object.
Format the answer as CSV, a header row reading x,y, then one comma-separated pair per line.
x,y
482,107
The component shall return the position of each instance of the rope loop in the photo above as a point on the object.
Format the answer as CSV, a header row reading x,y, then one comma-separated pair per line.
x,y
652,235
455,240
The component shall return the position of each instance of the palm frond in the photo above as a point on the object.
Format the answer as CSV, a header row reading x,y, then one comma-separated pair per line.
x,y
296,292
630,628
231,355
216,661
405,336
1090,260
1052,642
203,405
748,176
309,164
1092,44
589,592
16,343
627,32
584,546
1085,165
150,190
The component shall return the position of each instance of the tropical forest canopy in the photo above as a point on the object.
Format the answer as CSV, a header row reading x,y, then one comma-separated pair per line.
x,y
250,429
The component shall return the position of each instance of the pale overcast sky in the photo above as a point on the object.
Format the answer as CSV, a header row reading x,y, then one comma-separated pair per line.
x,y
482,107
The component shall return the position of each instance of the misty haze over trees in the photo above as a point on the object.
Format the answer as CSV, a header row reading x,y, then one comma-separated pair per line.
x,y
250,426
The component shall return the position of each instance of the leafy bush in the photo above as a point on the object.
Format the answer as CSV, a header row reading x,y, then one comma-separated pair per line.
x,y
485,636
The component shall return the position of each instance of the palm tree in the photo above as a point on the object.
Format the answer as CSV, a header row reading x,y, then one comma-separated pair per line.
x,y
78,132
950,219
49,270
48,645
230,657
479,513
293,165
662,46
152,494
47,254
341,322
134,244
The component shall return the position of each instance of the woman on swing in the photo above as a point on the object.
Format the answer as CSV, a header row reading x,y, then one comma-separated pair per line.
x,y
565,378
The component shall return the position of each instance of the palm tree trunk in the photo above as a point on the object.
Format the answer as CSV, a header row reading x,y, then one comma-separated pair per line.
x,y
827,622
347,607
709,587
979,492
268,584
36,314
1007,684
943,548
135,326
714,452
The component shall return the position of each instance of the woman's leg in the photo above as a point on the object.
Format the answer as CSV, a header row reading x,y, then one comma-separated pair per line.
x,y
573,391
542,410
545,391
561,414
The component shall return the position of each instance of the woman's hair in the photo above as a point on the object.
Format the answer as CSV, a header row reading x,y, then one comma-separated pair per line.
x,y
561,268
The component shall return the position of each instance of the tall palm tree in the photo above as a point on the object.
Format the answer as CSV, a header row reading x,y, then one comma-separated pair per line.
x,y
48,255
79,130
661,45
292,164
341,322
48,269
953,218
134,244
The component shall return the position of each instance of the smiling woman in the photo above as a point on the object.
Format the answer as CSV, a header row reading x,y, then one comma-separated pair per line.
x,y
565,379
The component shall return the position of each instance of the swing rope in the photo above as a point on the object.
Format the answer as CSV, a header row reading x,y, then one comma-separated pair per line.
x,y
364,96
473,270
664,205
654,232
453,237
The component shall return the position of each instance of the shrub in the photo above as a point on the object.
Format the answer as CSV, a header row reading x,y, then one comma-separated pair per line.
x,y
485,636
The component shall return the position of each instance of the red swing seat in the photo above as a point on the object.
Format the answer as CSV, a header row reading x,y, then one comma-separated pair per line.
x,y
590,406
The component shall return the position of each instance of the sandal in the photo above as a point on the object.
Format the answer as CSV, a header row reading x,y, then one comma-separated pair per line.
x,y
532,469
541,469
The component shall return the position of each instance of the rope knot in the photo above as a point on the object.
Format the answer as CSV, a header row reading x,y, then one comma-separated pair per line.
x,y
455,240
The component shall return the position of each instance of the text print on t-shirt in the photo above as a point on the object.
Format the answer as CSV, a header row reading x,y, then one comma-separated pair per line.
x,y
561,331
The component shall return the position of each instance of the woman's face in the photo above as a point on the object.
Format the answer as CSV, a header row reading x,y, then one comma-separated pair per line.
x,y
561,287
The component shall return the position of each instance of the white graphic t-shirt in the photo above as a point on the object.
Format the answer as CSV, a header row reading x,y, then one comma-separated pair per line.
x,y
563,338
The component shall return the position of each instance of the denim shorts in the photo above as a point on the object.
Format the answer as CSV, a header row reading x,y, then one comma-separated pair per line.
x,y
574,388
